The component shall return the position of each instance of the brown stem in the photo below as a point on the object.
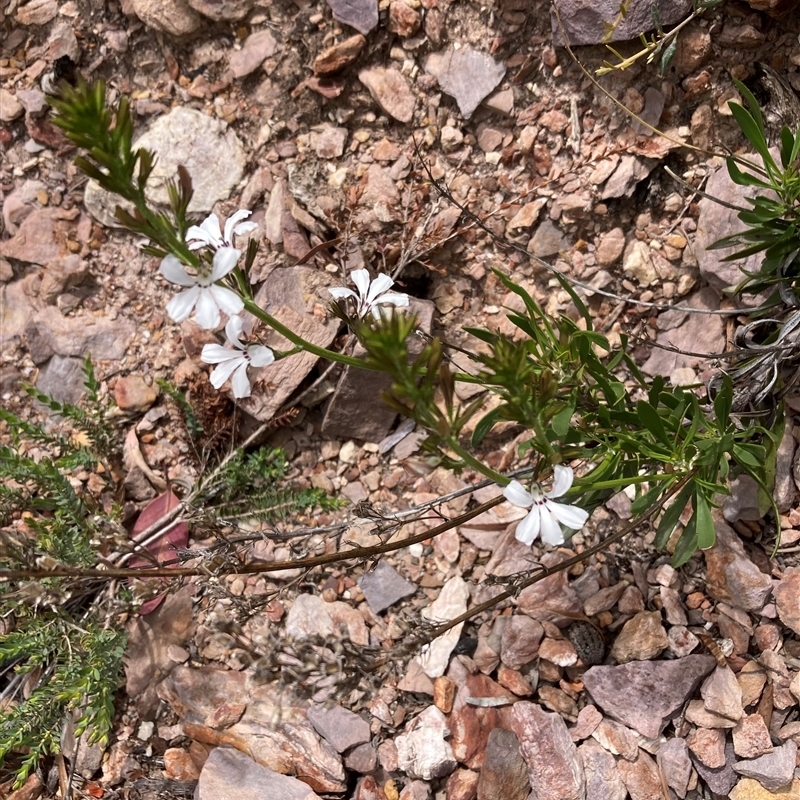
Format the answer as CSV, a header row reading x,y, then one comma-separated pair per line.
x,y
253,568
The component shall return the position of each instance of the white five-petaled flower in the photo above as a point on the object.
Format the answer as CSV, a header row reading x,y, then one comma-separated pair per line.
x,y
546,517
208,233
371,294
235,362
202,291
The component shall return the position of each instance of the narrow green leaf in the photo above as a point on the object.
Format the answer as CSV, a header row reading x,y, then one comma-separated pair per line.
x,y
704,524
485,425
687,544
652,421
669,519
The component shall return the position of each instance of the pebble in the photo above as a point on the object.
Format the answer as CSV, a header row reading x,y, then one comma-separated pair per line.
x,y
423,751
10,107
774,771
340,55
551,756
256,48
645,695
642,637
390,90
731,574
467,75
603,780
449,604
359,14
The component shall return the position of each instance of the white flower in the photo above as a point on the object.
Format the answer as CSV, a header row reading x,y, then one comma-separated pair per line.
x,y
371,294
208,234
203,291
235,362
546,517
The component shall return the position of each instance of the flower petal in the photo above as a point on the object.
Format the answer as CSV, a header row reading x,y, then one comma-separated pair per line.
x,y
227,300
182,304
360,278
216,354
225,260
221,373
340,293
174,272
207,311
516,494
562,480
230,224
551,530
240,383
380,285
395,298
571,516
233,330
528,528
260,356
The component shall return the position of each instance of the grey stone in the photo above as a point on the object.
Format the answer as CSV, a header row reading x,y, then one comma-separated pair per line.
x,y
62,379
645,695
465,74
384,586
222,10
174,17
342,729
547,240
716,221
359,14
49,333
356,410
603,781
693,333
674,762
586,21
629,171
255,48
744,500
773,770
228,773
719,779
213,155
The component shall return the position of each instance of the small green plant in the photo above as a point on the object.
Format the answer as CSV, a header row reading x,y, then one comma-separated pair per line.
x,y
583,402
63,646
773,219
63,638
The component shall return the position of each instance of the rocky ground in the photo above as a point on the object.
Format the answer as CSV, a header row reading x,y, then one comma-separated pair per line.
x,y
329,120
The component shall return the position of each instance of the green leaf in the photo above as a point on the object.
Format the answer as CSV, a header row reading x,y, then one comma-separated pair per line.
x,y
723,403
706,533
649,417
485,425
668,54
744,178
687,544
669,519
561,421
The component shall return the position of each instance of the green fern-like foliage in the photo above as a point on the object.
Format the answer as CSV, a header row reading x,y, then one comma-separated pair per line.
x,y
253,485
61,645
